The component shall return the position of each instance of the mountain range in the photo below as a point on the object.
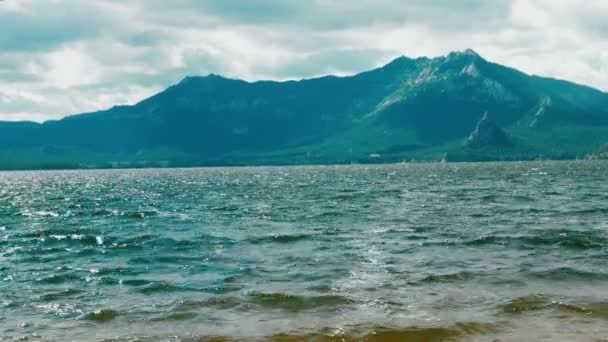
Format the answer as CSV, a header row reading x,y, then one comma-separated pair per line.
x,y
458,107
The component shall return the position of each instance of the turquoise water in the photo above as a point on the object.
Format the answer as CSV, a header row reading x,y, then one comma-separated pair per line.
x,y
421,252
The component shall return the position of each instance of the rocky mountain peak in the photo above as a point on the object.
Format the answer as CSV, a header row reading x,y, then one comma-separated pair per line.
x,y
468,55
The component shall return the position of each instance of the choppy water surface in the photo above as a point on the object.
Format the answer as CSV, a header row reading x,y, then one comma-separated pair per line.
x,y
513,251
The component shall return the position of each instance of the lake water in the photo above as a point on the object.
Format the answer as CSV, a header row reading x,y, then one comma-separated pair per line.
x,y
412,252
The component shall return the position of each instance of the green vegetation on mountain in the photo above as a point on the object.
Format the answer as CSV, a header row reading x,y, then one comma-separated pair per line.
x,y
458,107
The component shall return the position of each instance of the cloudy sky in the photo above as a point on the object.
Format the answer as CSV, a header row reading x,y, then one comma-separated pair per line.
x,y
60,57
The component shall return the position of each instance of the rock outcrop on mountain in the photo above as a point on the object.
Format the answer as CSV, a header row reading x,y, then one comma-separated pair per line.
x,y
487,134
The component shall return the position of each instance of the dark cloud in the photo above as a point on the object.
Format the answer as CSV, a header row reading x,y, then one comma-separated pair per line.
x,y
48,25
344,14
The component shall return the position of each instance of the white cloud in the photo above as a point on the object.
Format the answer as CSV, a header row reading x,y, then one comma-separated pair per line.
x,y
61,56
68,68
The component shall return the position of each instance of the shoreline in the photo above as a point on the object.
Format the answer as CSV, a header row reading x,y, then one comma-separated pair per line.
x,y
294,165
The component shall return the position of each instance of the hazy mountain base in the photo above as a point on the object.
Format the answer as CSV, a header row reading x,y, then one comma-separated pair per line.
x,y
341,149
335,151
362,144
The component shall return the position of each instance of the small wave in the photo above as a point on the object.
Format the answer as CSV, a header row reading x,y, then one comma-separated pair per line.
x,y
84,239
533,303
290,302
135,282
567,273
569,239
524,304
576,309
597,310
522,198
325,215
123,271
342,197
171,243
217,302
61,310
448,278
490,198
481,215
164,287
59,279
41,213
137,240
140,215
230,209
152,242
280,238
14,250
63,235
586,211
178,259
178,316
108,281
107,212
102,315
53,296
389,192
